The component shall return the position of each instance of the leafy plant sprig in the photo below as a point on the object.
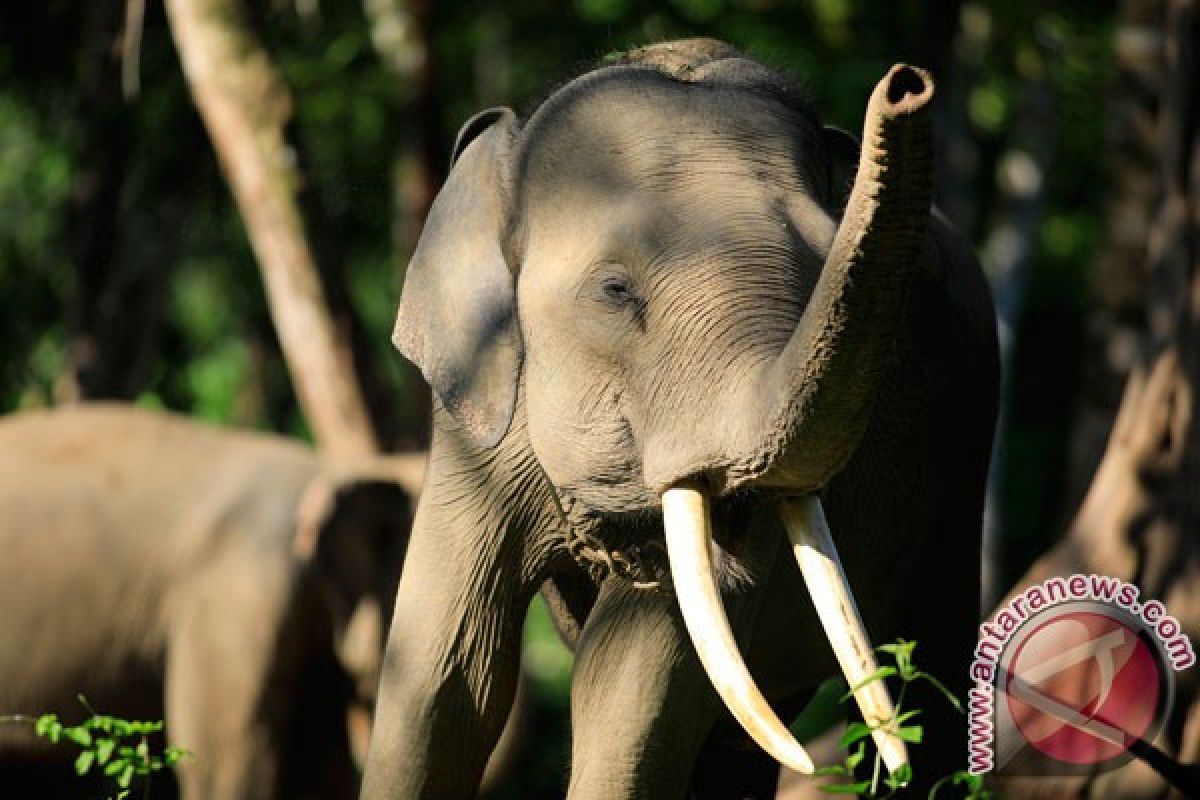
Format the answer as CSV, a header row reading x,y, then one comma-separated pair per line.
x,y
119,747
901,725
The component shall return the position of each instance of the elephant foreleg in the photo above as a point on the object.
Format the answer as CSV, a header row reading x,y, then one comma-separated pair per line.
x,y
641,705
453,653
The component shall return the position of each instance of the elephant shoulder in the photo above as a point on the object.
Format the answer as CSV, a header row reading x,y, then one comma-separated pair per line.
x,y
962,279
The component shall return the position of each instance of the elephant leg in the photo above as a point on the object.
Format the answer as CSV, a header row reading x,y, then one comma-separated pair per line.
x,y
453,653
641,704
216,676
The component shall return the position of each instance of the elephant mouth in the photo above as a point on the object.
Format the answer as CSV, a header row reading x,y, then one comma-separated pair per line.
x,y
687,523
681,554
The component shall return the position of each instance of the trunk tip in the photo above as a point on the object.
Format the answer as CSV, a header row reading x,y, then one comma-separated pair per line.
x,y
908,88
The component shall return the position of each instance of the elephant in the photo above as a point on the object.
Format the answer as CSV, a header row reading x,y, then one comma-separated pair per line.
x,y
655,314
233,582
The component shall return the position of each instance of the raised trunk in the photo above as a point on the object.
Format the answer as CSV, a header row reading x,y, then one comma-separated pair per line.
x,y
820,391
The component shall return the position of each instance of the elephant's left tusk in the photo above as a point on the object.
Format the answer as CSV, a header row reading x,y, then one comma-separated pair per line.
x,y
822,569
686,523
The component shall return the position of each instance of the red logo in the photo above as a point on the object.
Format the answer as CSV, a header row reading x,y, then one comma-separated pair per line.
x,y
1084,685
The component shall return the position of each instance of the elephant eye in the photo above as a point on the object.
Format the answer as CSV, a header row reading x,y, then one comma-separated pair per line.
x,y
611,288
617,290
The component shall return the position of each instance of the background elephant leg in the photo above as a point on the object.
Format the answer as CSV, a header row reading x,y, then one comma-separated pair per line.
x,y
641,704
214,687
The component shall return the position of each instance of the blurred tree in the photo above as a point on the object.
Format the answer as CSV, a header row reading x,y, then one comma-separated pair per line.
x,y
1140,518
115,308
247,109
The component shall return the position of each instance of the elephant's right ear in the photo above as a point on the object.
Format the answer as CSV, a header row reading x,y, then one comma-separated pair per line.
x,y
457,319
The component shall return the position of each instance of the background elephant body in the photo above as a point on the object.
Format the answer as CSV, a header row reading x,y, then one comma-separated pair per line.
x,y
672,276
230,582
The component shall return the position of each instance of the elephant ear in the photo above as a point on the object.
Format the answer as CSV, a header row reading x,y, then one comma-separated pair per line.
x,y
842,148
353,520
457,319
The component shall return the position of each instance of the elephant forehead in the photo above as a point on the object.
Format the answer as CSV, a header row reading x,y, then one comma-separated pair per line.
x,y
644,130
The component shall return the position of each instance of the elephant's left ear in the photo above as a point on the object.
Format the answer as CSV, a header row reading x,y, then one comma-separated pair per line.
x,y
457,319
341,513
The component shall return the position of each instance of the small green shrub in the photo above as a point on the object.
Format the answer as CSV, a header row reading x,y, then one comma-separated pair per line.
x,y
854,740
117,747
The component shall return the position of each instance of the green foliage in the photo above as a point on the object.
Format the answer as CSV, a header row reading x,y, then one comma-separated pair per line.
x,y
902,725
972,785
117,747
35,181
823,712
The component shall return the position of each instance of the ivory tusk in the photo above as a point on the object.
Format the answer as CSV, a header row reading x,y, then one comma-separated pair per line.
x,y
822,569
689,550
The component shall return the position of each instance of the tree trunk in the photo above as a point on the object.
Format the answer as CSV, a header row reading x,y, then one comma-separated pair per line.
x,y
402,34
246,108
1140,519
115,309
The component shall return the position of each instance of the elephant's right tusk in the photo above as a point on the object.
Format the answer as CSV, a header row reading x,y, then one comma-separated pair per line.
x,y
822,569
686,523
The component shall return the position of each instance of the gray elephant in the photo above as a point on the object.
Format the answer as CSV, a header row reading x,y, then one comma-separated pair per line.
x,y
671,291
231,581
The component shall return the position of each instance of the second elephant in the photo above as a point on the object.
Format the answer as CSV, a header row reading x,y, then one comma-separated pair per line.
x,y
232,582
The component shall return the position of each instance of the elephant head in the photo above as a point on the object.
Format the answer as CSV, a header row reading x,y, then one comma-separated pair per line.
x,y
668,286
350,530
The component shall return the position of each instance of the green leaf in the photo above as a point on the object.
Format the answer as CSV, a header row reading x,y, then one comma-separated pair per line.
x,y
832,769
854,732
974,785
900,778
855,758
79,735
126,777
910,733
173,755
973,782
902,651
901,648
104,750
84,762
877,675
846,788
114,767
906,716
44,723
